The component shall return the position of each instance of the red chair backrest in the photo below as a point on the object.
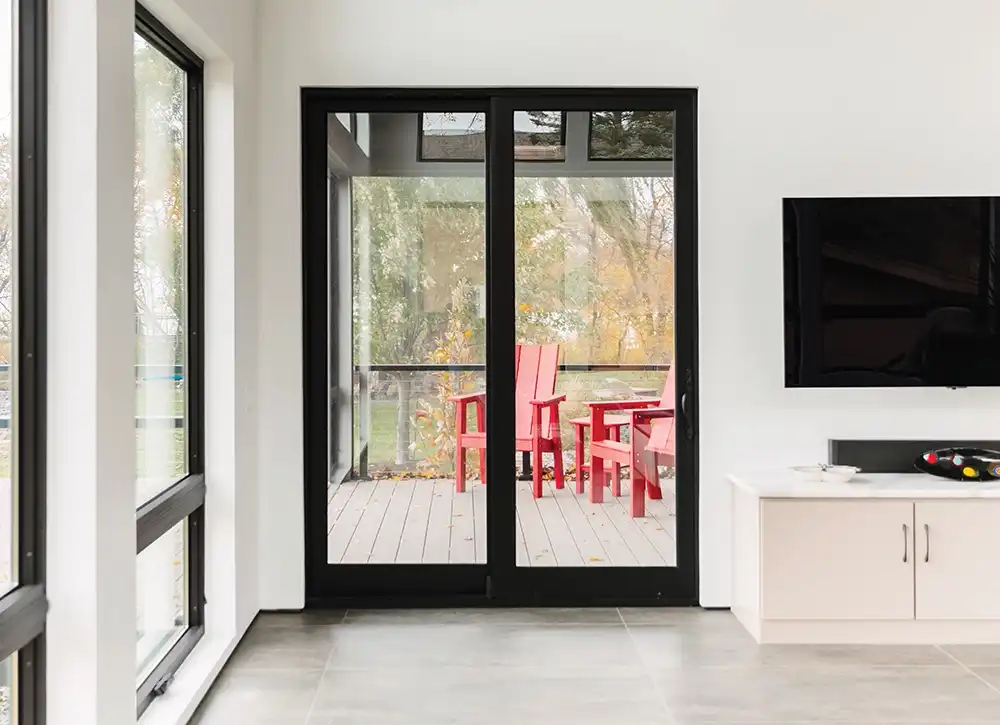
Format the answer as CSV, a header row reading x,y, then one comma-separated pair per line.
x,y
535,377
661,437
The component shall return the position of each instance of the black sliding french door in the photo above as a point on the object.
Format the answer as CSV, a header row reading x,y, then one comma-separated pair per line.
x,y
489,277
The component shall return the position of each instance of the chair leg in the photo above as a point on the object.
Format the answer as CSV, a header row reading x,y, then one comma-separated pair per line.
x,y
481,426
653,487
459,450
638,494
557,465
596,478
578,451
536,468
616,469
459,468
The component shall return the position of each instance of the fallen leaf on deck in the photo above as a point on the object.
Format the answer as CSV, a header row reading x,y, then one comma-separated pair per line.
x,y
594,558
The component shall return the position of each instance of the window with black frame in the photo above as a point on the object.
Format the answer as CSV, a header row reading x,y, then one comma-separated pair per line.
x,y
22,360
168,282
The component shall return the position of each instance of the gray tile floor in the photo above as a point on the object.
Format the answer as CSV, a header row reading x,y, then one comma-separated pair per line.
x,y
582,666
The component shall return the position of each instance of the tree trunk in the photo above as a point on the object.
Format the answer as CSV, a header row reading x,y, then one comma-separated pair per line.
x,y
403,419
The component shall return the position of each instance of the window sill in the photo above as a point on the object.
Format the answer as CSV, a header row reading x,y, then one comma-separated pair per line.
x,y
191,682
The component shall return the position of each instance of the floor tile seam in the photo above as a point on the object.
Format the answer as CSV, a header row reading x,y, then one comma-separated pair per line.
x,y
276,670
296,627
660,693
498,627
319,684
621,671
969,669
817,666
539,625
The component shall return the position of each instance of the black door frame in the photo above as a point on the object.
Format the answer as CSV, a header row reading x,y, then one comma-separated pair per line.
x,y
500,581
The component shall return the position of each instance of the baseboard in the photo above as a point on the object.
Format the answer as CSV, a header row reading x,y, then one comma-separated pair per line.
x,y
879,631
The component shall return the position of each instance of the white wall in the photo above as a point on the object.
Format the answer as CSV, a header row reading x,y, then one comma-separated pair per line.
x,y
91,399
795,98
224,33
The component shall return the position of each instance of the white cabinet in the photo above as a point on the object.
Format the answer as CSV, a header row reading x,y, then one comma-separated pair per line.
x,y
958,559
836,559
900,558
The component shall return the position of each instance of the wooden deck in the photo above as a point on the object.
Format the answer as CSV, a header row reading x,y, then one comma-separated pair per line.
x,y
426,522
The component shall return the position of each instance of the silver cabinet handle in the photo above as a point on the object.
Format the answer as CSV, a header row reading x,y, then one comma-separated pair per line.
x,y
927,539
906,542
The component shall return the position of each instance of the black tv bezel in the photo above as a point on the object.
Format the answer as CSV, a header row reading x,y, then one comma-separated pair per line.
x,y
793,310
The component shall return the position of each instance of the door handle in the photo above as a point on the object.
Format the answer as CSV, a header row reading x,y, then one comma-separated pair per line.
x,y
686,397
906,542
927,543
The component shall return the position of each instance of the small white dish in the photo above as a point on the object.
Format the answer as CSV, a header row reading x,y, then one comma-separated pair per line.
x,y
825,474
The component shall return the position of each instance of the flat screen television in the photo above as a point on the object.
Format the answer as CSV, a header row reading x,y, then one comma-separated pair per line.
x,y
895,291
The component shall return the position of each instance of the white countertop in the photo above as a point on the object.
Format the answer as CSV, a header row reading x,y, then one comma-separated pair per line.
x,y
783,484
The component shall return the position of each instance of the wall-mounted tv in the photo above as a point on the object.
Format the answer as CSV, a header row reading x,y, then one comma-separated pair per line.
x,y
894,291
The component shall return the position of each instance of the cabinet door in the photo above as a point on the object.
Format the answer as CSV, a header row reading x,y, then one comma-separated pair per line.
x,y
958,559
823,559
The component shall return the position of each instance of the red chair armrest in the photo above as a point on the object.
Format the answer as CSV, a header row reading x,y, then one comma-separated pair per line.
x,y
639,416
622,404
466,397
551,400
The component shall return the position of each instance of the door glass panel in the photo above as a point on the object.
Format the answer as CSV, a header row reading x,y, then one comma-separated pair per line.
x,y
595,321
407,319
8,336
8,691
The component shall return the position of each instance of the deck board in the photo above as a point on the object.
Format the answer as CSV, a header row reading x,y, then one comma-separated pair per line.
x,y
347,523
411,543
564,544
536,537
360,548
588,542
415,521
391,533
438,542
463,529
479,519
615,546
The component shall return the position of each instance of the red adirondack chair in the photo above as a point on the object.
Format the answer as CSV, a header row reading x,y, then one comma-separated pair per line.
x,y
536,416
651,443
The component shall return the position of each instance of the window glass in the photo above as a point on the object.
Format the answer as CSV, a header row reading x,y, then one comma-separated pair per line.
x,y
345,120
159,271
453,136
8,690
161,596
538,136
632,135
8,508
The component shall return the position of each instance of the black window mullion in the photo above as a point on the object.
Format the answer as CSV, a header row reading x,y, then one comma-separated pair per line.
x,y
22,618
29,371
195,259
164,511
23,610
